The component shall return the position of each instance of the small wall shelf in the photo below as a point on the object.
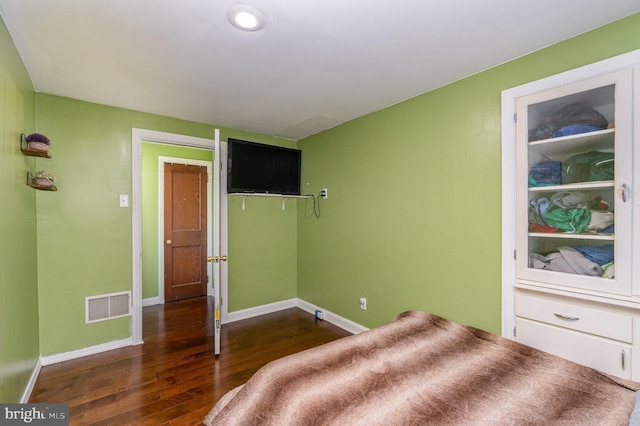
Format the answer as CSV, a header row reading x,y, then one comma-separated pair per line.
x,y
32,183
24,147
33,153
283,196
43,188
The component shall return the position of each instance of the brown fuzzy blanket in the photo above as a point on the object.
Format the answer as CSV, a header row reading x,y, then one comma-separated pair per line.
x,y
422,369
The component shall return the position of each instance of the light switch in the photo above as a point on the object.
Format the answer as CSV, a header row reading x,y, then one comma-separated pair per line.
x,y
124,200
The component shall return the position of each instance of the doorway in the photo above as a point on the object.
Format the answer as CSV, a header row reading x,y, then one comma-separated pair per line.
x,y
185,209
152,137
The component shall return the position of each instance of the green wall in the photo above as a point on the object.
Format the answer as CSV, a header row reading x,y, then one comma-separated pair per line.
x,y
413,218
19,340
84,238
262,251
150,154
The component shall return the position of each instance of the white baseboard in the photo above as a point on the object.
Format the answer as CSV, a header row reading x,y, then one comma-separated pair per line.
x,y
334,319
329,316
259,310
32,383
150,301
92,350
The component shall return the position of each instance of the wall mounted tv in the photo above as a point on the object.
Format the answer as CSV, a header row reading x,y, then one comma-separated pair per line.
x,y
264,169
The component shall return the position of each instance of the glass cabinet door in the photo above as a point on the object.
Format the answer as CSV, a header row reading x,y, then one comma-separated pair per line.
x,y
573,171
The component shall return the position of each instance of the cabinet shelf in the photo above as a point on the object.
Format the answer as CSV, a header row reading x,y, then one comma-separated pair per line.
x,y
574,186
602,237
567,145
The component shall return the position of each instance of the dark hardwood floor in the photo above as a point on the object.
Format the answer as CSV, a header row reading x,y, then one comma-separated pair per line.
x,y
173,378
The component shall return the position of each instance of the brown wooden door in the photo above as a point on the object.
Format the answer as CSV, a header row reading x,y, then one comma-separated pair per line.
x,y
185,231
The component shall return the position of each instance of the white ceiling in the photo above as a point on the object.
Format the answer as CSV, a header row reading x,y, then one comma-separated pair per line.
x,y
316,63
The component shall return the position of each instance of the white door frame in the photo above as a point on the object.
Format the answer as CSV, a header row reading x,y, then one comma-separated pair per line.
x,y
137,137
162,160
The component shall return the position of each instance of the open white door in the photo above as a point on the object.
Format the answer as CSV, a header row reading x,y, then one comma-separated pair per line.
x,y
217,257
218,226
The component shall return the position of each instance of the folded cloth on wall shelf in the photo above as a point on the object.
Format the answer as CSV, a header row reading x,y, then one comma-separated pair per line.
x,y
566,259
574,129
608,230
568,115
549,173
609,271
573,212
534,227
536,209
597,254
599,220
575,199
568,220
534,183
423,369
590,166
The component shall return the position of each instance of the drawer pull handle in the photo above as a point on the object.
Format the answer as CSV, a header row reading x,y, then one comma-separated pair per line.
x,y
567,317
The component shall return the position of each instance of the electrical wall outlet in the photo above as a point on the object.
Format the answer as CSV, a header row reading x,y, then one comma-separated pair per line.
x,y
324,193
363,303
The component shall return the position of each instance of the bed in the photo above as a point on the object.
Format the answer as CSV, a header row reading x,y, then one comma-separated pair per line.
x,y
423,369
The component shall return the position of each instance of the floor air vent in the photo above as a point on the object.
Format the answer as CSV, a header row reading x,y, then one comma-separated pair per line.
x,y
107,306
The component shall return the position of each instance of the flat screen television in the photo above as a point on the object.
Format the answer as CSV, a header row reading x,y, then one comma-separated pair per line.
x,y
264,169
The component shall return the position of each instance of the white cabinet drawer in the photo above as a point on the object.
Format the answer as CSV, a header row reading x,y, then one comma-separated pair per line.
x,y
605,355
574,315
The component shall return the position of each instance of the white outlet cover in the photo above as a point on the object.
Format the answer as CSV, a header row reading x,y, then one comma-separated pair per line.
x,y
124,200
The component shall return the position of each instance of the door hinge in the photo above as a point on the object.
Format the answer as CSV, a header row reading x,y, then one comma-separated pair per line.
x,y
515,117
208,279
515,255
514,331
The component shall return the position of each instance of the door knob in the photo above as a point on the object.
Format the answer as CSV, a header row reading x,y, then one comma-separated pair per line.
x,y
169,242
216,259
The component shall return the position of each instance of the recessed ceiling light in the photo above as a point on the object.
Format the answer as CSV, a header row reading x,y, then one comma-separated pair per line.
x,y
245,17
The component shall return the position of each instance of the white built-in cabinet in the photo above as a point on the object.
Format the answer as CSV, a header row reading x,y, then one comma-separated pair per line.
x,y
571,246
